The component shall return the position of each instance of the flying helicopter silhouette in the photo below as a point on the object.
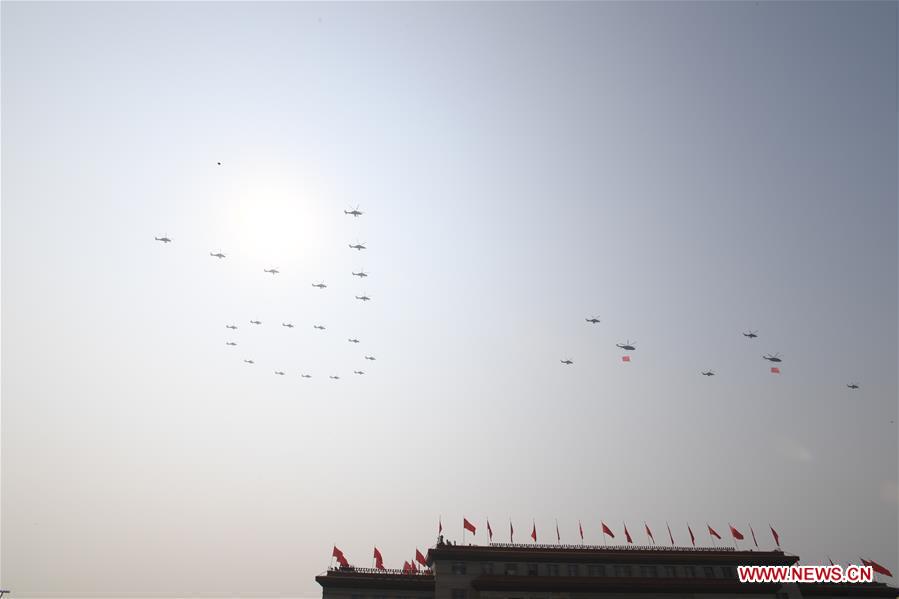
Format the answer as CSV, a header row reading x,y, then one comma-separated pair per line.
x,y
370,358
231,343
358,246
306,376
334,377
255,322
319,327
279,372
272,271
708,373
320,285
363,297
249,361
593,320
355,212
775,358
233,327
627,345
566,362
218,255
287,324
163,239
360,274
853,385
358,372
353,340
751,334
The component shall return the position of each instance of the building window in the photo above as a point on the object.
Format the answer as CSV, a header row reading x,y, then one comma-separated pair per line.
x,y
648,571
595,570
487,568
709,572
690,571
532,570
574,570
459,593
727,572
553,569
511,569
622,571
670,572
458,567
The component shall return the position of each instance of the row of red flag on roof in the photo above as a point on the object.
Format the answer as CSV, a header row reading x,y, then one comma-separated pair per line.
x,y
607,532
412,566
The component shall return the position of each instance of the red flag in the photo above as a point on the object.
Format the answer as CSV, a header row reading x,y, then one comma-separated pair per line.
x,y
692,538
439,525
580,529
625,358
340,557
649,532
606,530
670,536
407,567
468,526
775,535
713,532
877,567
534,532
753,537
736,534
558,536
775,370
627,535
420,558
379,561
489,530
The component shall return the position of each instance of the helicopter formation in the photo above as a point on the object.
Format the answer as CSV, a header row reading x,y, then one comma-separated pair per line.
x,y
632,346
320,285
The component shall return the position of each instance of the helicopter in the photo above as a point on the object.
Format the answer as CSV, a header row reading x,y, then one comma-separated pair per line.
x,y
372,358
363,297
319,285
853,386
355,212
255,322
627,345
358,372
306,376
319,327
353,340
249,361
775,358
163,239
360,274
751,334
272,271
233,327
218,255
287,324
334,377
592,320
231,343
567,362
708,373
279,372
358,246
219,163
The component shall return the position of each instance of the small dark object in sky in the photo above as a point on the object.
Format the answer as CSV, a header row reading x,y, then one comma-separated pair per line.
x,y
708,373
566,362
775,358
163,239
853,385
751,334
627,345
272,271
592,320
355,212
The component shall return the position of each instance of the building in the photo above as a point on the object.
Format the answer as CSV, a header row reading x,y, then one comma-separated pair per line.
x,y
507,571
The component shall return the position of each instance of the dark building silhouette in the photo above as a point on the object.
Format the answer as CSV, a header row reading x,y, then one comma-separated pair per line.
x,y
506,571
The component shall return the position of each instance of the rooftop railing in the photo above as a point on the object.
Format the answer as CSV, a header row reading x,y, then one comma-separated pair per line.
x,y
603,547
378,571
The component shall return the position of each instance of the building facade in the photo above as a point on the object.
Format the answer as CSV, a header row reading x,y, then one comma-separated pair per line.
x,y
506,571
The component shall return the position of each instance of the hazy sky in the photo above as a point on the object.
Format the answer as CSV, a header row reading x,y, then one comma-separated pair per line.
x,y
683,171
